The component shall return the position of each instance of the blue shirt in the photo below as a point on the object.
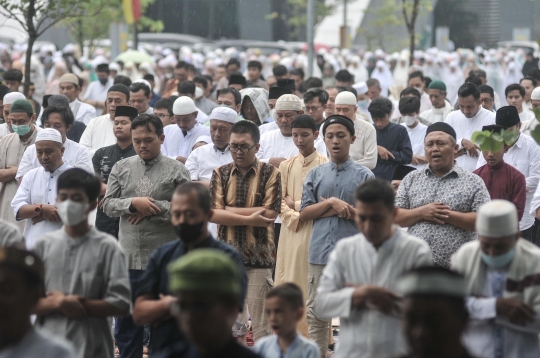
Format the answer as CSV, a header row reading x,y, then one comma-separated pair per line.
x,y
301,347
330,180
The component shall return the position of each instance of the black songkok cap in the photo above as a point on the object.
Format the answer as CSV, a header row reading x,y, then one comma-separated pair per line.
x,y
126,111
441,127
401,171
507,116
104,67
493,128
286,83
237,80
337,119
276,92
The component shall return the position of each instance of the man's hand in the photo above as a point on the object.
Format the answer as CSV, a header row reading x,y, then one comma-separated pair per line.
x,y
181,159
470,147
145,206
290,202
342,208
435,212
276,161
418,160
50,213
72,307
37,220
380,298
258,219
384,153
515,310
135,219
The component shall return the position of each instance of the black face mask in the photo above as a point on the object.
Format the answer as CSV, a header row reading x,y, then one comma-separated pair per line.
x,y
188,233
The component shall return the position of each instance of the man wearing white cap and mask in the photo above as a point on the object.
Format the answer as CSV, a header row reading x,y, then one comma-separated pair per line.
x,y
501,272
180,138
36,197
5,128
69,86
526,127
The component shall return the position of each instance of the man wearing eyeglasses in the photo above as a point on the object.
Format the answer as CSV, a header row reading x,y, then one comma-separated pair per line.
x,y
163,108
315,100
487,96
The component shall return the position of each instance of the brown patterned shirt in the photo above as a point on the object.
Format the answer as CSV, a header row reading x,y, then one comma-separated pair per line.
x,y
261,186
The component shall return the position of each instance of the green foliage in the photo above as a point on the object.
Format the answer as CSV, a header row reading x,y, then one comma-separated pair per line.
x,y
296,15
535,133
490,140
379,32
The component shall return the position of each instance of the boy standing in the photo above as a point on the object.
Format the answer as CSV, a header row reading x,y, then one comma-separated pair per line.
x,y
284,308
90,282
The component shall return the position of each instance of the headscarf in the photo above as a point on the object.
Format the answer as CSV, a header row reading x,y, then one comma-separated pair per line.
x,y
57,71
401,72
259,98
357,69
383,74
149,69
453,78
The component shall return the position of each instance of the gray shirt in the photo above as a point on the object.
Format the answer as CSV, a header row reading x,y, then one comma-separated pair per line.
x,y
131,178
10,234
331,180
206,105
39,344
92,266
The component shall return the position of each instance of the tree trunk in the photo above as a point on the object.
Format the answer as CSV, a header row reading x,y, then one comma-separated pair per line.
x,y
411,45
27,71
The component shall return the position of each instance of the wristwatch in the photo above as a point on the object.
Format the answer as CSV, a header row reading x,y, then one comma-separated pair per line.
x,y
39,209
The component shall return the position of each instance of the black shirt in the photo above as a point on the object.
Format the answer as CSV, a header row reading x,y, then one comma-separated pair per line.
x,y
103,160
231,350
155,281
76,131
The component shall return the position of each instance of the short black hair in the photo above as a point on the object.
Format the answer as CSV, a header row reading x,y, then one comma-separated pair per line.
x,y
409,105
149,77
373,82
348,89
344,76
313,82
233,61
415,74
247,127
77,178
304,121
487,89
255,64
181,64
410,90
279,70
474,79
289,292
380,107
311,93
427,81
298,72
192,68
233,91
137,86
150,121
203,194
514,87
202,80
533,80
13,75
374,190
479,73
469,89
3,91
64,112
125,80
165,103
120,88
534,73
186,87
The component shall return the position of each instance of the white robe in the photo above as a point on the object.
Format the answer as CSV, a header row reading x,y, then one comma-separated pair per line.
x,y
99,133
437,114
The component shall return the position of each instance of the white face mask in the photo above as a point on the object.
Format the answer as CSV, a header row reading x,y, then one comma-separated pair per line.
x,y
198,92
71,212
409,120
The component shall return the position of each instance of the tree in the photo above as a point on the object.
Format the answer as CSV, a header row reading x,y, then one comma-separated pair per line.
x,y
410,10
383,20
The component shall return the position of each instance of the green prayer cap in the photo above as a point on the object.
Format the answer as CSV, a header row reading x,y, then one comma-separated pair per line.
x,y
22,106
437,85
205,270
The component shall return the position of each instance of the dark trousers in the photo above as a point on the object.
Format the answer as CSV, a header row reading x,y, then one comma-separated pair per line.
x,y
128,336
532,234
277,231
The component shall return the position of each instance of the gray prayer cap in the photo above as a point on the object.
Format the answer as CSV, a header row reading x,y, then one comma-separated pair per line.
x,y
58,100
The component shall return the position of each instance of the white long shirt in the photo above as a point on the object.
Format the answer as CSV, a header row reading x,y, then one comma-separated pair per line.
x,y
176,144
526,115
76,155
437,114
4,130
203,160
425,102
464,128
267,127
38,187
98,92
417,135
367,332
99,133
524,155
83,111
276,145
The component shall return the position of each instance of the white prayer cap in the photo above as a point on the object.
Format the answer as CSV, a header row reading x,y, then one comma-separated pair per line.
x,y
143,81
535,95
380,63
49,134
347,98
183,105
379,53
204,138
11,97
497,218
288,102
360,87
113,66
225,114
430,280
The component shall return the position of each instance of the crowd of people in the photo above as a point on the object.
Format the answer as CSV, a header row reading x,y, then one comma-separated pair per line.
x,y
224,205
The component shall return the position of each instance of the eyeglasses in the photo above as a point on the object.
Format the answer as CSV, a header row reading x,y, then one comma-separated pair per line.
x,y
242,149
487,100
312,108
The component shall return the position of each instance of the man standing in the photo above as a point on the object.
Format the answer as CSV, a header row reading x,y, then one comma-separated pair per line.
x,y
529,84
139,191
139,97
328,199
13,79
470,118
164,110
96,92
273,94
416,80
441,107
9,98
246,199
254,74
12,147
180,74
359,281
201,90
315,100
35,200
515,95
69,87
439,204
180,138
503,300
409,107
487,97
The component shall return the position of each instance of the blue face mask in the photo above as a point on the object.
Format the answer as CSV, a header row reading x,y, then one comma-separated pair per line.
x,y
103,80
21,130
499,261
363,104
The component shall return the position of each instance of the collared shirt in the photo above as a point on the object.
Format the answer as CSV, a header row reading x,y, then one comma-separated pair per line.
x,y
276,145
395,139
177,144
149,110
75,155
461,190
367,332
203,160
92,266
38,186
301,347
103,162
416,136
132,178
99,133
437,114
39,344
464,128
83,112
326,181
155,281
259,187
524,155
267,127
98,92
